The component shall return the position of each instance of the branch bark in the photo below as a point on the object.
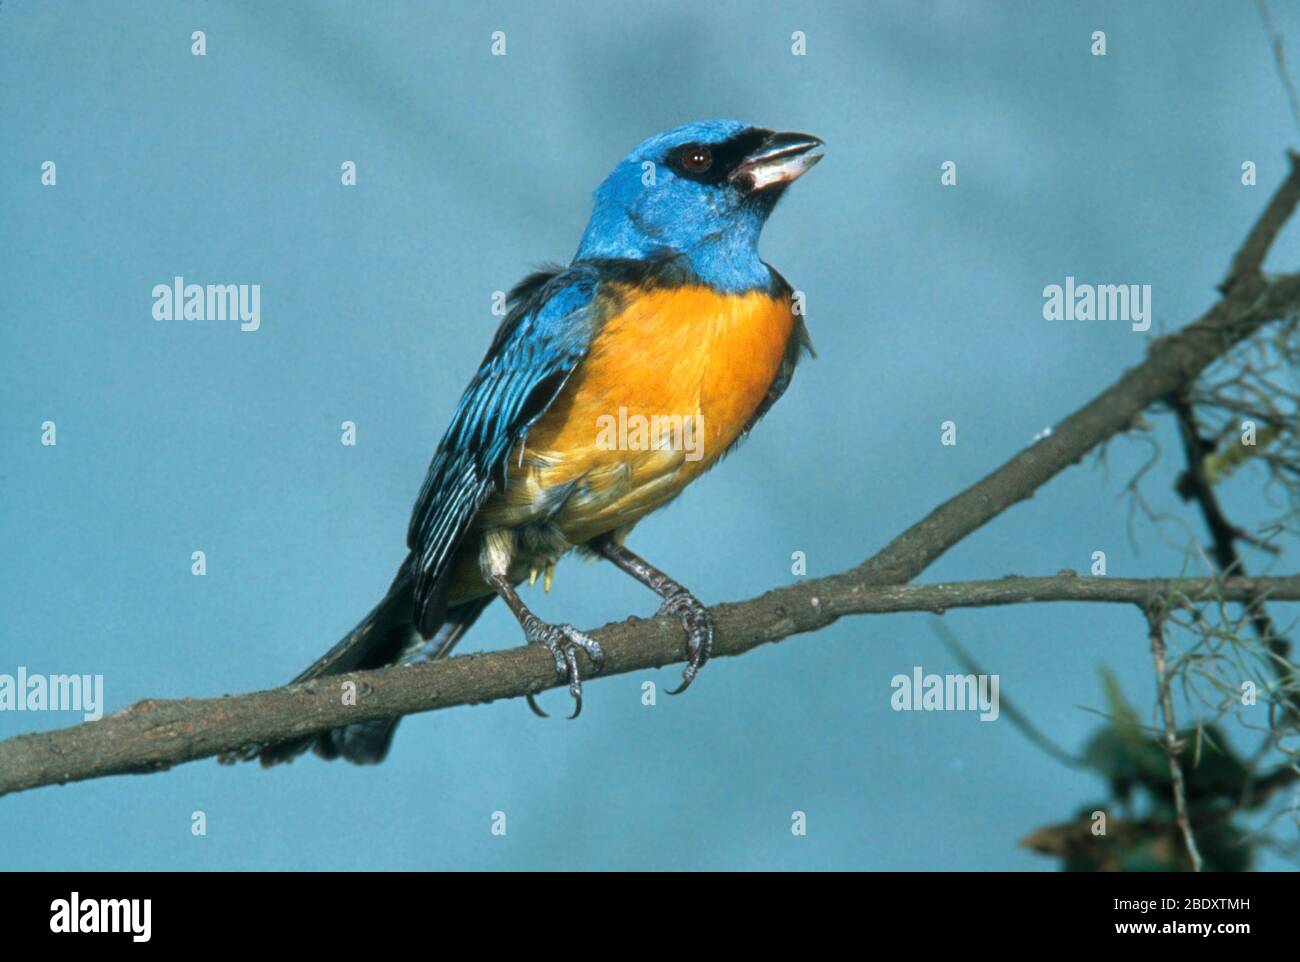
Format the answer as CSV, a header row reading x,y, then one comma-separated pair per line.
x,y
153,735
1173,746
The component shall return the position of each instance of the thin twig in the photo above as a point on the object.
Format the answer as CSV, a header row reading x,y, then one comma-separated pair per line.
x,y
1173,746
1279,59
1009,709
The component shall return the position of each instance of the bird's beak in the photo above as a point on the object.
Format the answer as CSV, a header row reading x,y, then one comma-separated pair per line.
x,y
780,159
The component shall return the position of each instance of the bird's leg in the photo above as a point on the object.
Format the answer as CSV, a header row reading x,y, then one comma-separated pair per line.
x,y
696,618
563,641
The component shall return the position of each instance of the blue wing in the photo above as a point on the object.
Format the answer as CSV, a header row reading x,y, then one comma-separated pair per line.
x,y
551,324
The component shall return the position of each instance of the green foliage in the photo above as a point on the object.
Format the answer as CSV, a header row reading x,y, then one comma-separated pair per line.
x,y
1131,757
1138,831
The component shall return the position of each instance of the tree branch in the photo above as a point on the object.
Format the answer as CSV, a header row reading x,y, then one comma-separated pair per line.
x,y
153,735
1193,485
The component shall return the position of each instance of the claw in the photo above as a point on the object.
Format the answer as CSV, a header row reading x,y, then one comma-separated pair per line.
x,y
698,623
563,642
688,676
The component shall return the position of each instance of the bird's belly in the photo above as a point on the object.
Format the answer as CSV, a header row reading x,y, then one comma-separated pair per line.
x,y
670,382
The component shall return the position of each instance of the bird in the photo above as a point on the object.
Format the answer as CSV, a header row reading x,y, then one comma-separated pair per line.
x,y
666,312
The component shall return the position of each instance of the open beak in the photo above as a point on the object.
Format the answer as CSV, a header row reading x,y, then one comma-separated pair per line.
x,y
780,159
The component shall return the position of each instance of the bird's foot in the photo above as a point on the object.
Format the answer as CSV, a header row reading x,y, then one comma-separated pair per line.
x,y
698,622
563,642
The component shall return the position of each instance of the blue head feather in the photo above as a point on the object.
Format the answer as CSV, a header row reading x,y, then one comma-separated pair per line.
x,y
641,209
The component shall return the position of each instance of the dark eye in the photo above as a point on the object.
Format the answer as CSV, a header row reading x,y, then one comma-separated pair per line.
x,y
696,159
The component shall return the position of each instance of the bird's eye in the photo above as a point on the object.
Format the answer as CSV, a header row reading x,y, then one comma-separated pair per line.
x,y
696,159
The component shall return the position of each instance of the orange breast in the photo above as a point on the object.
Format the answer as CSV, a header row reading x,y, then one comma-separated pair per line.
x,y
687,364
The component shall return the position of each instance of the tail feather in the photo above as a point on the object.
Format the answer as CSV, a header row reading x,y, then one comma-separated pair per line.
x,y
386,636
367,743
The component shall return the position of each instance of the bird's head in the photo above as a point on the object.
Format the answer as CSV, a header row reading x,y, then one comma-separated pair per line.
x,y
705,190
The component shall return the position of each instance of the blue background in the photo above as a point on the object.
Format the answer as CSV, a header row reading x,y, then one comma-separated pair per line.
x,y
925,304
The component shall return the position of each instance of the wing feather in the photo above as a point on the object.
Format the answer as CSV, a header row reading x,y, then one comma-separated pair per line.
x,y
551,323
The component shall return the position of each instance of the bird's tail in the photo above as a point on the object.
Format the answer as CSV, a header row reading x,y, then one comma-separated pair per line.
x,y
386,636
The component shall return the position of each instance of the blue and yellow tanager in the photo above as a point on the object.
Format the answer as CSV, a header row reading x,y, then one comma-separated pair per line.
x,y
666,310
